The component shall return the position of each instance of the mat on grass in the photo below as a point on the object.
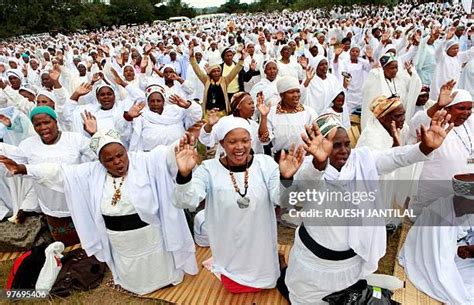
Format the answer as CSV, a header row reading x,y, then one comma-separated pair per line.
x,y
6,256
205,289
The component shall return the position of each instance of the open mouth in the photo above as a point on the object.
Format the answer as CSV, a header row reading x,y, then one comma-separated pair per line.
x,y
239,156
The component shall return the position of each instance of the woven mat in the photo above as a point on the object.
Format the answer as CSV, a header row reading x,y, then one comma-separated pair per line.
x,y
409,295
6,256
205,289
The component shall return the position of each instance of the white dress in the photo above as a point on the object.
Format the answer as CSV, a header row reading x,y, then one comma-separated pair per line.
x,y
142,264
71,148
240,251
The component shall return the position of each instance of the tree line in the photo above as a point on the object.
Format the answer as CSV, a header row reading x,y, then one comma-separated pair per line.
x,y
18,17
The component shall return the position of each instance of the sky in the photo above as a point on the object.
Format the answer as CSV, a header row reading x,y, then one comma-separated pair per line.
x,y
209,3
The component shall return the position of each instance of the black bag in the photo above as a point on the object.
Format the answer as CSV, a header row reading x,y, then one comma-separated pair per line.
x,y
26,269
79,272
361,294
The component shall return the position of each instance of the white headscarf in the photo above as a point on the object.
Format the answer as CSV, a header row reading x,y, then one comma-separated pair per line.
x,y
102,138
229,123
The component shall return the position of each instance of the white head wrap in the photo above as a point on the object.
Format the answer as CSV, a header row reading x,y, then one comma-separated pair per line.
x,y
153,89
16,73
315,61
461,97
287,83
48,94
229,123
102,138
450,43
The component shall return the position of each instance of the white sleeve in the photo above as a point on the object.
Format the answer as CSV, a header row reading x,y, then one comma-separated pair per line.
x,y
17,100
192,114
47,174
207,139
391,159
190,194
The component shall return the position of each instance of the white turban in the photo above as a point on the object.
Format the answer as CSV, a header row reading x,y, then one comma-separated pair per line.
x,y
229,123
450,43
48,94
461,97
315,61
102,138
287,83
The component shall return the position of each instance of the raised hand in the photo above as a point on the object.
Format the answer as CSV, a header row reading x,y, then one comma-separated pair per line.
x,y
316,144
97,77
144,63
195,130
55,73
12,166
450,33
186,154
135,110
346,82
338,50
432,138
303,62
147,49
89,122
261,106
290,162
253,65
310,73
3,85
408,65
213,116
83,89
179,101
5,120
445,93
191,49
395,134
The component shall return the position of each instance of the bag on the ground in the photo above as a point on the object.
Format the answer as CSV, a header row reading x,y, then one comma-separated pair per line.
x,y
79,272
32,232
51,267
26,269
361,294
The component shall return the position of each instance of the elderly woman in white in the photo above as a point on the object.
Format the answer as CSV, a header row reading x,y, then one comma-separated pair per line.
x,y
121,207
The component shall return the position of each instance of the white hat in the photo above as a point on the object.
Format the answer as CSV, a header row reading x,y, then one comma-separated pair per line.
x,y
102,138
229,123
287,83
462,96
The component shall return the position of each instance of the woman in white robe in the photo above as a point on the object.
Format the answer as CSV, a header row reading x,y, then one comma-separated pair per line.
x,y
241,190
52,145
350,252
267,85
454,156
390,81
432,254
385,130
285,121
320,88
162,122
449,64
121,206
107,111
466,81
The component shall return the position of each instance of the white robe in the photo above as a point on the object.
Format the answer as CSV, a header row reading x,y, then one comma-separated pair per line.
x,y
150,173
466,81
429,255
152,129
285,128
447,68
240,252
71,148
448,160
407,87
320,92
310,278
